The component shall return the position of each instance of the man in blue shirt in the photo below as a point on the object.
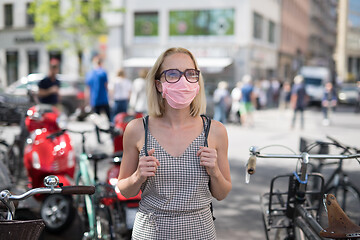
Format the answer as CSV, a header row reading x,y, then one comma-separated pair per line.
x,y
97,82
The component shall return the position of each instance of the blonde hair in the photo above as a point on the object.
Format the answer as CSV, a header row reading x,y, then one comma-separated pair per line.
x,y
156,103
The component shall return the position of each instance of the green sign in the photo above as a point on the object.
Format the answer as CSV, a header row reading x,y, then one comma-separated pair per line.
x,y
216,22
146,24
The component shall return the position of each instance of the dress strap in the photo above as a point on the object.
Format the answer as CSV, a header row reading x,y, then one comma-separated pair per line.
x,y
146,128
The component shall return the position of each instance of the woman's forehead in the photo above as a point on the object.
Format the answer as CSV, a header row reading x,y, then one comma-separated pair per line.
x,y
178,61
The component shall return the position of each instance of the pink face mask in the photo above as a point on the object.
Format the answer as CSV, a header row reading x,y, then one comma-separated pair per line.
x,y
179,95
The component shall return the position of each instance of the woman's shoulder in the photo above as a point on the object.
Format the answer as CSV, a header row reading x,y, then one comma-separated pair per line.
x,y
217,128
135,128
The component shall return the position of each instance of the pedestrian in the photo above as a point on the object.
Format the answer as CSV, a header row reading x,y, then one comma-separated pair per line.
x,y
298,100
248,101
235,105
138,101
121,90
49,87
174,156
222,102
97,88
357,104
328,102
285,95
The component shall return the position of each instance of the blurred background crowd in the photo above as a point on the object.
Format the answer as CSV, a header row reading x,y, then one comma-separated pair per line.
x,y
249,51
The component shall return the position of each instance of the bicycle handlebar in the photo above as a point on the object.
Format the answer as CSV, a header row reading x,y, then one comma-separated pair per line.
x,y
51,182
255,152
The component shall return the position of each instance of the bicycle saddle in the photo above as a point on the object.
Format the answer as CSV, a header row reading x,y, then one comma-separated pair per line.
x,y
340,225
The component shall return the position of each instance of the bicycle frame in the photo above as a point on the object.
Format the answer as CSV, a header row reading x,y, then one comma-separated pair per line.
x,y
84,175
296,209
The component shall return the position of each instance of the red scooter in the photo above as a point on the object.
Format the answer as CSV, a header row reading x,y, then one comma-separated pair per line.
x,y
48,151
126,207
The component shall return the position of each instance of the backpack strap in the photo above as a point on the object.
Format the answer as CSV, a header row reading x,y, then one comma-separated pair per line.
x,y
206,130
146,128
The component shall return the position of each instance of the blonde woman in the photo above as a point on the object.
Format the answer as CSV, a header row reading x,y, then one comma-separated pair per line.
x,y
173,156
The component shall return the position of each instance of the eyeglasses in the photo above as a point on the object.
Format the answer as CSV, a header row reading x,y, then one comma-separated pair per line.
x,y
54,66
174,75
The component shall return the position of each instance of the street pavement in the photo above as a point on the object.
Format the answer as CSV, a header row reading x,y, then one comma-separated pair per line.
x,y
239,216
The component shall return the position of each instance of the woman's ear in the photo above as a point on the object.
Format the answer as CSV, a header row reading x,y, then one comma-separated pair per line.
x,y
158,85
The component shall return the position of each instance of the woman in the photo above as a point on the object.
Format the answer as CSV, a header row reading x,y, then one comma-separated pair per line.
x,y
180,175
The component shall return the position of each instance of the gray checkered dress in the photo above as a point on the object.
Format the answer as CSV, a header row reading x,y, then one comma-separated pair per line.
x,y
175,202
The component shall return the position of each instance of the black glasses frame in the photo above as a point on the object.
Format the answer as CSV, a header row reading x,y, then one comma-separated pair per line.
x,y
181,74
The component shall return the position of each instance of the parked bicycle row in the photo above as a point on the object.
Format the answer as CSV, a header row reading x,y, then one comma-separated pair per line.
x,y
49,150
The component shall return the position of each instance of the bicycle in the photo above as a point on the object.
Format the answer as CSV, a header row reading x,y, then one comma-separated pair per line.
x,y
95,211
291,213
338,181
12,156
31,229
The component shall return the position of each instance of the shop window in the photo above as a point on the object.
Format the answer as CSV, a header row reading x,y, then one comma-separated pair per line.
x,y
33,61
29,17
8,15
12,65
258,29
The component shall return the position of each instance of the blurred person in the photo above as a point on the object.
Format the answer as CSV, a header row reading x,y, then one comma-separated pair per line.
x,y
235,105
222,102
247,102
285,95
49,87
275,92
357,104
97,88
138,101
120,93
298,100
171,158
328,102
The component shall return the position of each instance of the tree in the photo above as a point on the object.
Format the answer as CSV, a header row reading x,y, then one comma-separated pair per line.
x,y
69,24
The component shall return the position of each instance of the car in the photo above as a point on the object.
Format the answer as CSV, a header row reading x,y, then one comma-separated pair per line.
x,y
71,90
348,93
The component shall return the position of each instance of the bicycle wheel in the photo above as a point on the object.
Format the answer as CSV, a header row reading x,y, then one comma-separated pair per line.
x,y
57,212
15,162
348,197
104,228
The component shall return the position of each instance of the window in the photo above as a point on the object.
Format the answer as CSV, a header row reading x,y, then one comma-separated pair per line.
x,y
29,17
258,22
8,14
146,24
214,22
271,37
11,66
33,61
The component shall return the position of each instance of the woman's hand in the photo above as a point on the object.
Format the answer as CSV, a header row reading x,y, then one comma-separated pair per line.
x,y
147,166
208,159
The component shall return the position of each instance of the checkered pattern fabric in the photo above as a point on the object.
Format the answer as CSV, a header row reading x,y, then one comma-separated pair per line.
x,y
175,202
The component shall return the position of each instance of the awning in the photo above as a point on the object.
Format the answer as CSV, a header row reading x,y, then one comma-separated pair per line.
x,y
209,62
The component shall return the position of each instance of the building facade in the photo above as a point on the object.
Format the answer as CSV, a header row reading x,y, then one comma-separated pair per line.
x,y
293,40
348,45
230,38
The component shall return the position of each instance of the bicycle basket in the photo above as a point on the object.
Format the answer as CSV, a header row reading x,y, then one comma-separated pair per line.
x,y
278,205
24,230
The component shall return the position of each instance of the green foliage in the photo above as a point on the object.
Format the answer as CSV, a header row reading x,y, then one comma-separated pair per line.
x,y
76,24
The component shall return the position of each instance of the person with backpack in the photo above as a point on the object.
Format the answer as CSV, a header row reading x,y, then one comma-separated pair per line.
x,y
176,156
